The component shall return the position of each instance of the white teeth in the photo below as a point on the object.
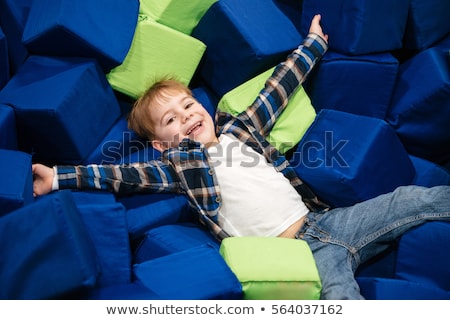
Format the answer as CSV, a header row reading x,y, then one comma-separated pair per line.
x,y
193,128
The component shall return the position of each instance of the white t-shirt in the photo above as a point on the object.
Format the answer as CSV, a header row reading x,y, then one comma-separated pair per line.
x,y
257,200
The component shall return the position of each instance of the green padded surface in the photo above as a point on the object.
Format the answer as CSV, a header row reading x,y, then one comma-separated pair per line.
x,y
271,268
179,15
290,126
156,51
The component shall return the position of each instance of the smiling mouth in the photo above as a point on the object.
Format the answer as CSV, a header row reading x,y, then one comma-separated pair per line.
x,y
194,128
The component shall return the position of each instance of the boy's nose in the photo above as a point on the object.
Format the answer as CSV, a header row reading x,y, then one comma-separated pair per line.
x,y
186,116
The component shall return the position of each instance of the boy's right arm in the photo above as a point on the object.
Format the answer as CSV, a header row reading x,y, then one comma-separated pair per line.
x,y
151,177
286,78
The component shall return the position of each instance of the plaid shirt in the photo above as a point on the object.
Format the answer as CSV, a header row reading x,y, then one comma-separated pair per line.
x,y
187,169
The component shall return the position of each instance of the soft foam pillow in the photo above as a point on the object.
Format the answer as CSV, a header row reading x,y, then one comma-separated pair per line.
x,y
4,63
271,268
427,23
156,51
290,126
101,29
347,158
243,39
8,133
179,15
359,27
198,273
46,251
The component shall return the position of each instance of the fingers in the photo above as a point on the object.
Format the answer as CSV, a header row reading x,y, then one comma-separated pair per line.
x,y
316,19
317,28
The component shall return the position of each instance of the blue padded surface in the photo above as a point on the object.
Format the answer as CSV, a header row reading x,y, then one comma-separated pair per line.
x,y
63,107
444,44
117,145
359,26
16,185
428,23
347,158
207,99
356,84
46,251
380,266
106,224
4,60
397,289
170,239
54,28
293,10
202,271
13,17
423,255
149,211
429,174
129,291
8,132
243,38
420,109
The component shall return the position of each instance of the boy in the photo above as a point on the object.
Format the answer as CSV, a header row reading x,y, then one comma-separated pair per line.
x,y
241,186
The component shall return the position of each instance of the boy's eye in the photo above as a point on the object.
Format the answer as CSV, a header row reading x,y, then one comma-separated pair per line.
x,y
189,105
170,120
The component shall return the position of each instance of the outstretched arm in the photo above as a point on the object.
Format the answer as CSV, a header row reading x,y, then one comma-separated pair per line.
x,y
286,78
150,177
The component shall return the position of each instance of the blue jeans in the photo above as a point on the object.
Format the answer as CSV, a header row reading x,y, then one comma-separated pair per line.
x,y
344,238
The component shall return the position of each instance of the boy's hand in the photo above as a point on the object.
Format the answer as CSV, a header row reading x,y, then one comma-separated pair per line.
x,y
42,179
316,28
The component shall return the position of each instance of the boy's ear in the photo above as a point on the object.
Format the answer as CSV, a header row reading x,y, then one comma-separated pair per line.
x,y
158,145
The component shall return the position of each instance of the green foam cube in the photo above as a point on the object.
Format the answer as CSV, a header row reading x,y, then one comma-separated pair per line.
x,y
292,123
273,268
157,51
179,15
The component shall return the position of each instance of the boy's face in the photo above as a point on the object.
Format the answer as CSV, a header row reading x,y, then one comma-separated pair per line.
x,y
181,117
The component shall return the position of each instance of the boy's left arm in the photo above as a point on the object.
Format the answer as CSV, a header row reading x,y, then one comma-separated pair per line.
x,y
286,78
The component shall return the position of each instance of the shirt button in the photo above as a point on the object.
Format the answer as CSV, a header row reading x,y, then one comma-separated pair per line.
x,y
210,172
218,199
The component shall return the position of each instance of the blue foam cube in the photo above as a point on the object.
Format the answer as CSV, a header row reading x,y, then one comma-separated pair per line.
x,y
243,39
429,174
8,133
360,84
423,255
199,273
428,23
13,17
420,106
46,251
359,26
101,29
172,238
117,145
4,60
16,186
347,158
63,107
106,224
150,211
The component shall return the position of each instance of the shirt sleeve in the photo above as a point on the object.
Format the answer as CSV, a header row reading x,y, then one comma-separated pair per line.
x,y
284,81
151,177
55,183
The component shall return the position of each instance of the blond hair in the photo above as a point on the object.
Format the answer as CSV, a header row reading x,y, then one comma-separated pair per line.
x,y
139,119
